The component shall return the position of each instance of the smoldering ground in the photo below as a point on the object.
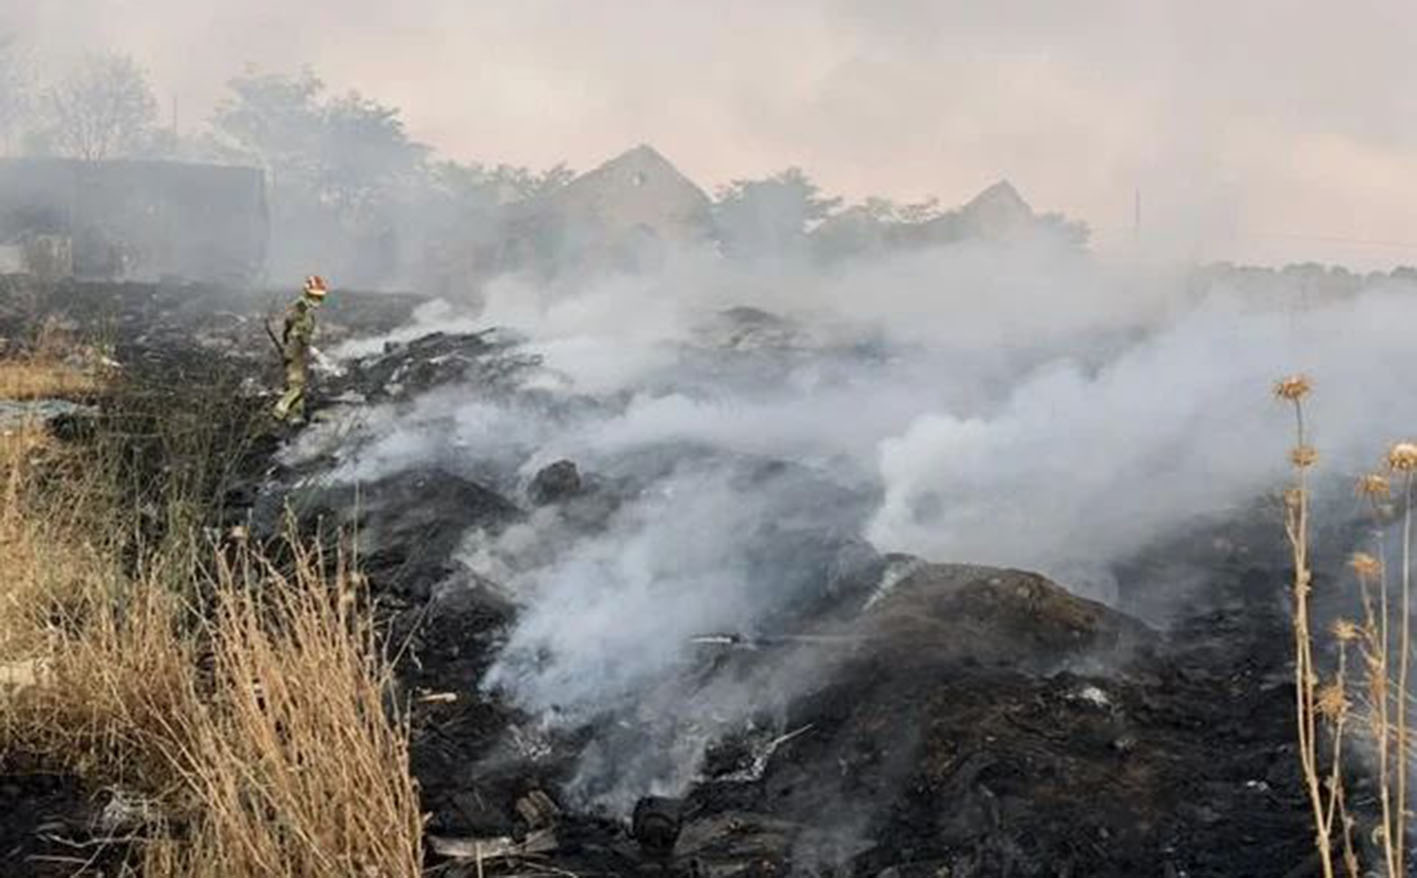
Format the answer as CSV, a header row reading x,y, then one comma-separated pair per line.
x,y
757,436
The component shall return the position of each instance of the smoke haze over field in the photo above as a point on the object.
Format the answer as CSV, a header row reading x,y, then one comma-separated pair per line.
x,y
761,426
1016,405
1260,131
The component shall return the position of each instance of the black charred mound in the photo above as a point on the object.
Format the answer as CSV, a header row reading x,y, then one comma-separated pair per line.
x,y
404,369
965,722
972,722
408,524
993,724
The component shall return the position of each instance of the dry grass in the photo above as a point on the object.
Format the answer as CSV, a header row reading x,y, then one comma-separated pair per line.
x,y
52,364
30,573
294,764
18,443
248,699
44,379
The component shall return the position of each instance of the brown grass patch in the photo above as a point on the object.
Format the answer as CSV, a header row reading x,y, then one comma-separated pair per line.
x,y
297,733
44,379
52,363
21,441
246,698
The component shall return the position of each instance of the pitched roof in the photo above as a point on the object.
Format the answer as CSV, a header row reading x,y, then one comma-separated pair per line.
x,y
639,187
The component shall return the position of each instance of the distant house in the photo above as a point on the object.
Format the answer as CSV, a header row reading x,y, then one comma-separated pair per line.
x,y
998,214
625,213
132,220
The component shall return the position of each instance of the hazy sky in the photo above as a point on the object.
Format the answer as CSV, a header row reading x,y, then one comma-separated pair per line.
x,y
1256,129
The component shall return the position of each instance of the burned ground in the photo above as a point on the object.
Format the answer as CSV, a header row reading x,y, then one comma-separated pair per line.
x,y
960,721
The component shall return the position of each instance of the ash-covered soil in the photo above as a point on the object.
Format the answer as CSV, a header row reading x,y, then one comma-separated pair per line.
x,y
940,720
47,824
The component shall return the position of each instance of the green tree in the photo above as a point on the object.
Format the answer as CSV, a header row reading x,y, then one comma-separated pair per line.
x,y
919,211
351,192
349,155
340,171
1072,232
273,121
770,217
478,187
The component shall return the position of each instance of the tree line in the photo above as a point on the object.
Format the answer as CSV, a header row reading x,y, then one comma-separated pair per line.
x,y
347,185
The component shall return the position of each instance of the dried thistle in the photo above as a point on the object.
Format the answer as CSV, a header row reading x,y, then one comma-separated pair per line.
x,y
1293,388
1402,457
1331,701
1365,566
1304,456
1346,630
1374,485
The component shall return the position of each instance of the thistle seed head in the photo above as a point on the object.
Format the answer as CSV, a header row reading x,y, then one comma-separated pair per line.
x,y
1346,630
1375,485
1365,566
1293,388
1331,701
1402,457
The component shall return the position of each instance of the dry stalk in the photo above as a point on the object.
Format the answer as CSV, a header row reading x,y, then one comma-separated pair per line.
x,y
1307,702
1402,459
1371,572
1388,688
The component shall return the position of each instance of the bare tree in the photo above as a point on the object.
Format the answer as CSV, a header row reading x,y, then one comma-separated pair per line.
x,y
103,109
15,91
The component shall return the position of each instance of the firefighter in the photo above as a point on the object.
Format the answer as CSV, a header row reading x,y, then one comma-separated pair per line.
x,y
295,348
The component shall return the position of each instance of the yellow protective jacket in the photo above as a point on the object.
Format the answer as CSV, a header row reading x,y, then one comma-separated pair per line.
x,y
298,331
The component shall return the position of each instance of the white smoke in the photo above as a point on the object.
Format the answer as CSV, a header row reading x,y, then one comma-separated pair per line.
x,y
1078,469
1020,407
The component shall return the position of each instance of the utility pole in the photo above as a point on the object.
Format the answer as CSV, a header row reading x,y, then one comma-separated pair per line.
x,y
1136,218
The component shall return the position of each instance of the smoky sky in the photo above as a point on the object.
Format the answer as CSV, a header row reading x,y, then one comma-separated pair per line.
x,y
1259,131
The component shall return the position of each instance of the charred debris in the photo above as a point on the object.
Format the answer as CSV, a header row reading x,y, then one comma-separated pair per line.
x,y
958,720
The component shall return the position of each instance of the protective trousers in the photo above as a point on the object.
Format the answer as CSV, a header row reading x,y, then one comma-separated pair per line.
x,y
291,405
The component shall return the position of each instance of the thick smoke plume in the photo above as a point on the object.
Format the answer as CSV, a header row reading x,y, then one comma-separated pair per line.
x,y
765,432
1076,468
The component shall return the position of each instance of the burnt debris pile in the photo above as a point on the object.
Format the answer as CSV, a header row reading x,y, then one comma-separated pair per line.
x,y
829,709
886,716
402,370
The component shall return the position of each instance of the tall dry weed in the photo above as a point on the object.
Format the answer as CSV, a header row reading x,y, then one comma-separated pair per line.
x,y
1383,641
246,697
1321,767
297,764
